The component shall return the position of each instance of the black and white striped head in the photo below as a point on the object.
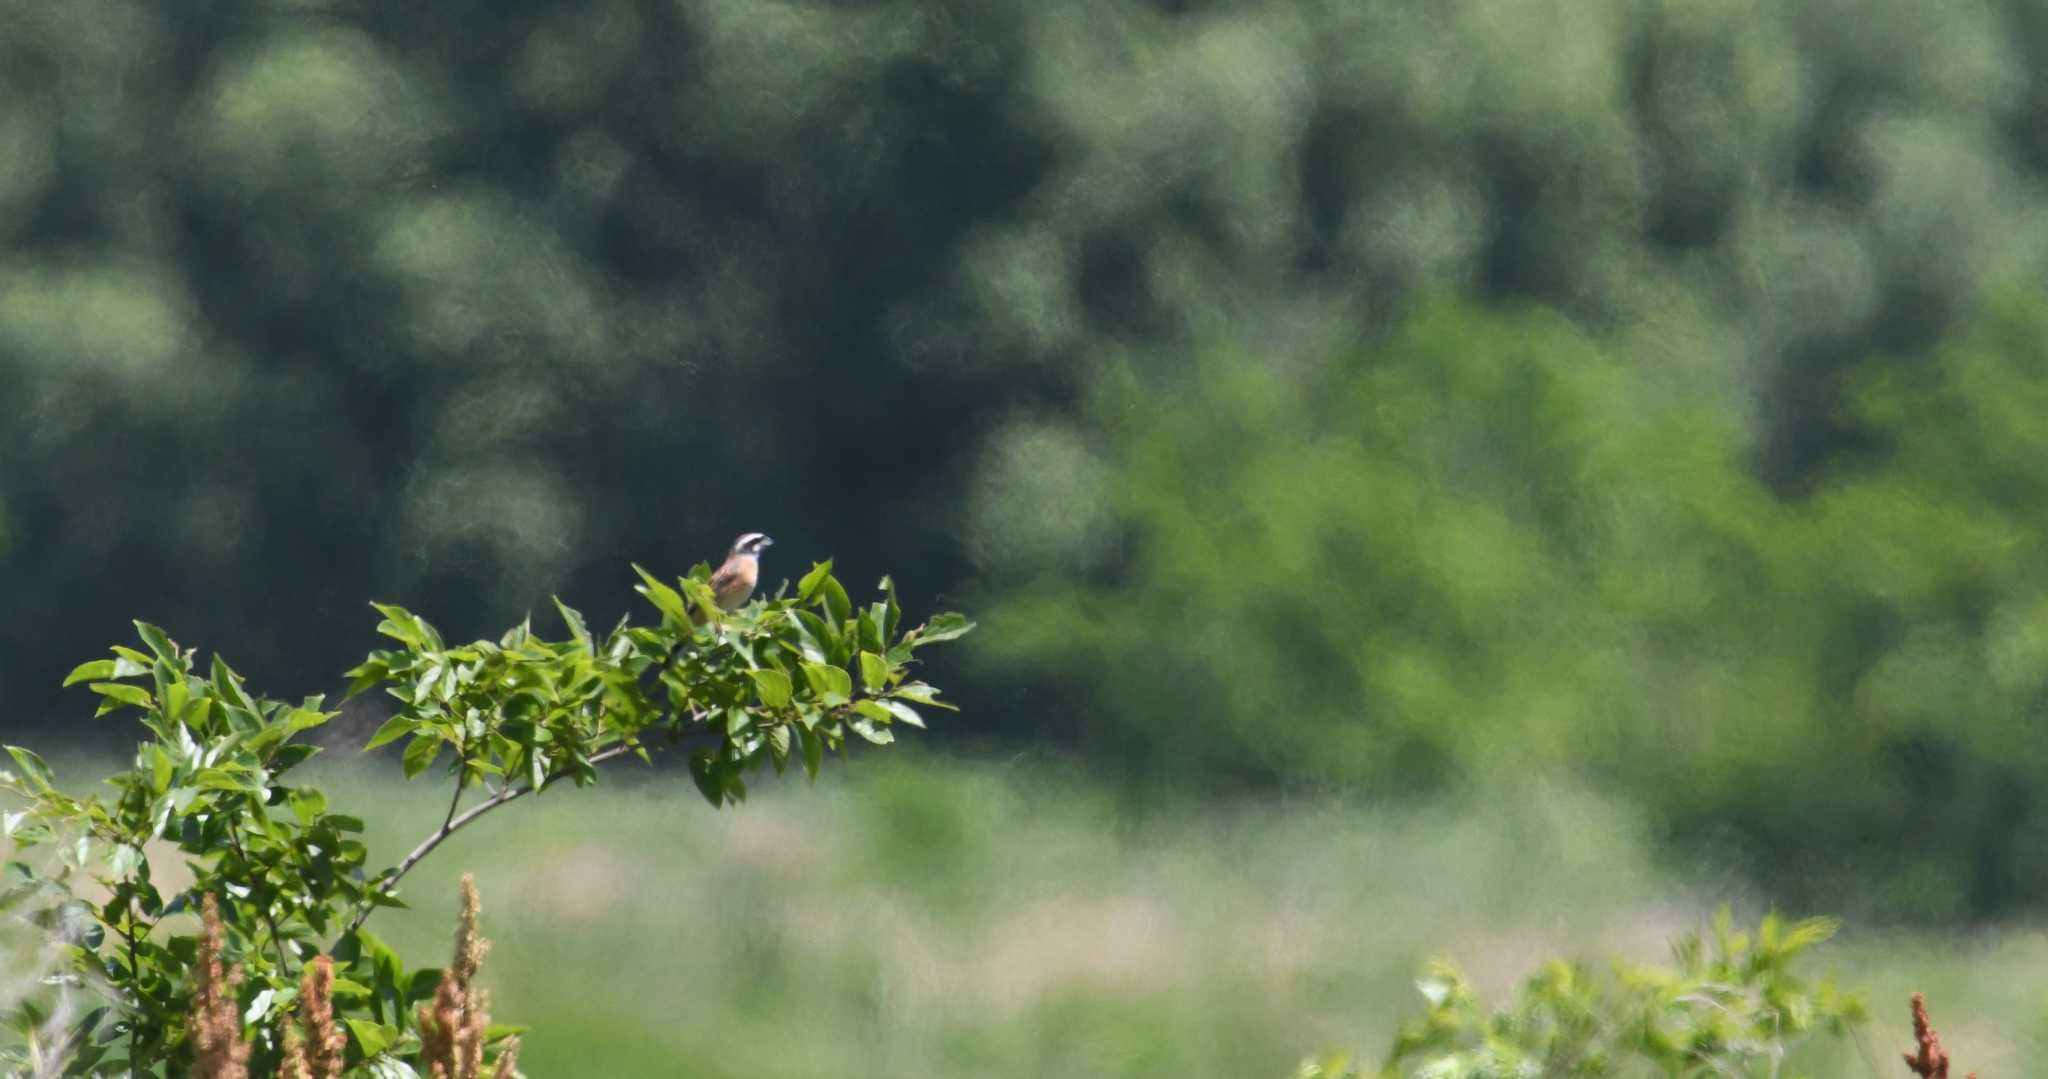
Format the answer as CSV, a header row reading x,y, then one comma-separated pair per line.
x,y
752,544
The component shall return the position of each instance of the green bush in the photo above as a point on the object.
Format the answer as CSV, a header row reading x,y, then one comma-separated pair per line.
x,y
1729,1005
780,682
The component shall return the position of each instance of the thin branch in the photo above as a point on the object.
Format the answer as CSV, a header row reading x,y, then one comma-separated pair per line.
x,y
455,799
451,823
456,822
276,938
135,984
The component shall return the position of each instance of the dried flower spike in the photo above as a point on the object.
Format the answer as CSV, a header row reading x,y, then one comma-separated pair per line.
x,y
324,1040
218,1051
1930,1062
453,1027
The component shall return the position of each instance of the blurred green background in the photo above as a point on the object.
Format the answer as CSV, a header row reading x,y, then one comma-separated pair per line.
x,y
1329,408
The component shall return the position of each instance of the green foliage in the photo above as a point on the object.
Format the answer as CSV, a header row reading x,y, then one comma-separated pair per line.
x,y
1729,1005
500,718
910,235
1486,543
1484,532
275,230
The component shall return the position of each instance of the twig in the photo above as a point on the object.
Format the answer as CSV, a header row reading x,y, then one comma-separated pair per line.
x,y
451,823
134,977
276,938
456,822
455,799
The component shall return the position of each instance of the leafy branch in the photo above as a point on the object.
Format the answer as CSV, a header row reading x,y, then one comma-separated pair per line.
x,y
786,679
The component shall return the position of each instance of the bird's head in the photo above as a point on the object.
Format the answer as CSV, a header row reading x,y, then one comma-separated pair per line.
x,y
752,544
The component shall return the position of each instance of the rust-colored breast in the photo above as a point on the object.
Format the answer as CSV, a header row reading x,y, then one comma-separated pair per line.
x,y
734,581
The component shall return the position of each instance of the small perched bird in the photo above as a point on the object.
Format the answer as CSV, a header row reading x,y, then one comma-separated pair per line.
x,y
733,582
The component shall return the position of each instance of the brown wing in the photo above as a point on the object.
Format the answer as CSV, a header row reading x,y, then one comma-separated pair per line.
x,y
734,582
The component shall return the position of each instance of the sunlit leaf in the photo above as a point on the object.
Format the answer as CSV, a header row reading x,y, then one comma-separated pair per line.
x,y
943,627
392,730
808,585
832,684
420,753
773,686
870,730
874,672
32,768
665,599
91,670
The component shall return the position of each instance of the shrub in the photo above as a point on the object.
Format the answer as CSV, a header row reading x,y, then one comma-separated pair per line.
x,y
281,877
1730,1004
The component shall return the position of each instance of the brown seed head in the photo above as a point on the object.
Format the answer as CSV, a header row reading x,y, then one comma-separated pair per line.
x,y
1928,1060
218,1051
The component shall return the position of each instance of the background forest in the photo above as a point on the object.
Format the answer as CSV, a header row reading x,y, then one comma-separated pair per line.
x,y
1312,399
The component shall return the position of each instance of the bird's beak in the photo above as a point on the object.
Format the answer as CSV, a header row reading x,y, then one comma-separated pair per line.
x,y
767,542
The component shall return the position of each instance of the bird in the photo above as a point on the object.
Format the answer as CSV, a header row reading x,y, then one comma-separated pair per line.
x,y
732,584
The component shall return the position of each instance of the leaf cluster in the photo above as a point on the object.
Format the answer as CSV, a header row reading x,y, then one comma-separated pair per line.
x,y
787,678
1730,1004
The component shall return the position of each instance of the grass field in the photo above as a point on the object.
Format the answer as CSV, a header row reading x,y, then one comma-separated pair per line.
x,y
930,917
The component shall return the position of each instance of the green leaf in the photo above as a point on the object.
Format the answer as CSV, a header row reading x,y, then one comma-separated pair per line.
x,y
226,779
386,1067
836,600
704,772
808,586
871,621
421,753
228,685
832,684
307,803
895,609
393,729
91,670
158,642
773,686
920,693
305,719
401,625
873,710
816,629
700,596
259,1007
874,672
33,768
372,1038
291,755
574,620
120,693
903,712
814,750
942,627
867,729
366,675
665,599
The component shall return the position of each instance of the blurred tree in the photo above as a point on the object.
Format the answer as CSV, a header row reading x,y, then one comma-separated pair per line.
x,y
1486,543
